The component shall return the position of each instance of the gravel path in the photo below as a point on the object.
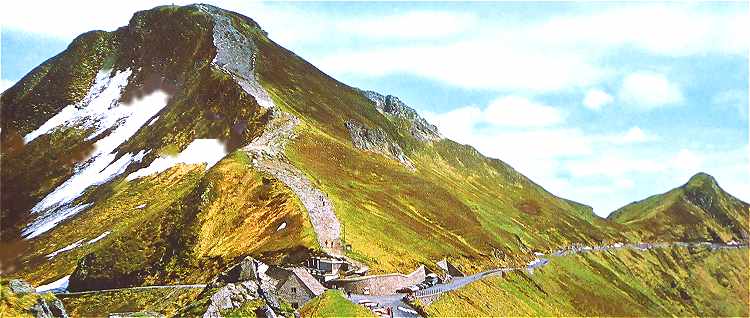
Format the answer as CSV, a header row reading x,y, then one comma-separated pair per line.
x,y
267,153
236,55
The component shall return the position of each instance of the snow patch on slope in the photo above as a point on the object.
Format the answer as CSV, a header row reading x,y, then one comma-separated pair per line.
x,y
58,285
103,94
65,249
45,224
77,244
101,110
98,238
209,151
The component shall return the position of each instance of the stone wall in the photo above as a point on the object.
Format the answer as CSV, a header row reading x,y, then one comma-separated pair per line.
x,y
380,284
294,292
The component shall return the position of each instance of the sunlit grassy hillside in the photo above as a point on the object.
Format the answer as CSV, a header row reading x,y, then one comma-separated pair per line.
x,y
661,282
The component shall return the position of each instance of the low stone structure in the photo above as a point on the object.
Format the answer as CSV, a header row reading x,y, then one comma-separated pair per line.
x,y
380,284
297,286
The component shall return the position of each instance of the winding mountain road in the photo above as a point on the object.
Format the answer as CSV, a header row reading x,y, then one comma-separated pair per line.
x,y
396,300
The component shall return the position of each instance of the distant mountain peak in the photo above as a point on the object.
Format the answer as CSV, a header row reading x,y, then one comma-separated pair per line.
x,y
701,179
698,210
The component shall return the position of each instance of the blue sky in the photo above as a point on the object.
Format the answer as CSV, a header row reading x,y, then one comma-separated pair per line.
x,y
602,103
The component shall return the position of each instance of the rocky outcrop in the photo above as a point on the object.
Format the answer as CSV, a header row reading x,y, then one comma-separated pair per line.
x,y
44,305
48,307
236,54
20,287
376,140
244,282
231,296
392,106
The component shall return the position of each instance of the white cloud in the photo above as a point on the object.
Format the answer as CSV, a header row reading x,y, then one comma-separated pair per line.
x,y
457,124
648,90
624,183
687,161
729,99
595,99
504,112
414,24
521,112
552,53
613,166
633,135
5,84
664,29
484,64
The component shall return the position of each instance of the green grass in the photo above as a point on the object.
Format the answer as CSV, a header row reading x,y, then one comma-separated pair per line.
x,y
697,211
458,204
13,305
164,301
669,282
333,303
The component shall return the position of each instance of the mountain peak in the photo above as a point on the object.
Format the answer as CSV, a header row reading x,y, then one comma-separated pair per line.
x,y
698,210
701,179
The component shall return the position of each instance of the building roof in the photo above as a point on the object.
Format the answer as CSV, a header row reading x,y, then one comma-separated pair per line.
x,y
307,280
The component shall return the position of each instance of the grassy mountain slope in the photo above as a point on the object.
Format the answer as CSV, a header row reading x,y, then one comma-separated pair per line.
x,y
458,203
188,223
164,301
191,218
697,210
669,282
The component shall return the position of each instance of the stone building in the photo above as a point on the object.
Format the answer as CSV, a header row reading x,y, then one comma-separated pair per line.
x,y
296,286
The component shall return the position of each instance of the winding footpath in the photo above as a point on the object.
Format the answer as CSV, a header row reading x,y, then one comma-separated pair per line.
x,y
267,150
267,155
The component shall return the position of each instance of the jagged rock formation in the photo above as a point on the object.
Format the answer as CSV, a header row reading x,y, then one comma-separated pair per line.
x,y
231,296
49,308
243,283
391,105
236,54
377,141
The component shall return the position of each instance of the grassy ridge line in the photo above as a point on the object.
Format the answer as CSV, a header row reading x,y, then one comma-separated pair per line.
x,y
660,282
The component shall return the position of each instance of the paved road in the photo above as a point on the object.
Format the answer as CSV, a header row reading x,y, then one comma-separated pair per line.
x,y
393,301
396,300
